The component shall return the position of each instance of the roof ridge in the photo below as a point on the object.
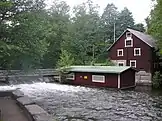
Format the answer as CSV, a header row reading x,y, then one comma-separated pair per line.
x,y
148,39
138,31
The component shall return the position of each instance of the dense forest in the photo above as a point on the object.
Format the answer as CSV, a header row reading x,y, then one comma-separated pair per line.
x,y
154,23
35,36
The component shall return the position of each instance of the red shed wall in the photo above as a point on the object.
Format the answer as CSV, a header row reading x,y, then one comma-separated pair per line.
x,y
143,62
127,79
111,80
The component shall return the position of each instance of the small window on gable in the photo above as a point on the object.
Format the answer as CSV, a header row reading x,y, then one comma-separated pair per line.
x,y
137,51
98,78
120,52
133,63
128,42
128,35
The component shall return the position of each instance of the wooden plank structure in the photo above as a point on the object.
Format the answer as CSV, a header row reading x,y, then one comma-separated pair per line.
x,y
5,74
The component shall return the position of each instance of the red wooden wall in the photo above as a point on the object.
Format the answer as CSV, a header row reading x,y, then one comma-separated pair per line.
x,y
127,79
111,80
143,62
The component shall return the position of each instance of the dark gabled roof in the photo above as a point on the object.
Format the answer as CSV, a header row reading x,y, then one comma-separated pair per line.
x,y
149,40
144,37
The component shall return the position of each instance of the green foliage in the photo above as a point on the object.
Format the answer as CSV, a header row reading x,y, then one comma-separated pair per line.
x,y
139,27
66,59
157,80
154,23
34,37
124,20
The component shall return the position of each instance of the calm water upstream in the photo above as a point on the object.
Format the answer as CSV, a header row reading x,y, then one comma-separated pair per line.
x,y
69,103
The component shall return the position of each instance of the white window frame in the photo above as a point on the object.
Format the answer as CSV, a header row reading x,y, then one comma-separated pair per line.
x,y
127,35
134,62
71,76
98,81
139,49
119,51
129,40
120,63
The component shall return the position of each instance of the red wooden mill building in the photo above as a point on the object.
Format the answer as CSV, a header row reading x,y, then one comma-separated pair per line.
x,y
135,49
104,76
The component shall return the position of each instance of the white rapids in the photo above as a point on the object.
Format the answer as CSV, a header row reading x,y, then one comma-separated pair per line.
x,y
28,89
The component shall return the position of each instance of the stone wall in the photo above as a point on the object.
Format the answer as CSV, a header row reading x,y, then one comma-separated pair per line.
x,y
32,110
143,78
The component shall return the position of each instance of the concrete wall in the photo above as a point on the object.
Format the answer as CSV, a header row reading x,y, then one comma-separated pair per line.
x,y
30,108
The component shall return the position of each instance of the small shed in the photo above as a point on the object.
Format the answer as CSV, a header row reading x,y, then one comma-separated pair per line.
x,y
104,76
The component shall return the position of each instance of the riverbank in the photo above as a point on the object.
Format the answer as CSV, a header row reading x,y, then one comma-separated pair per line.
x,y
15,106
10,111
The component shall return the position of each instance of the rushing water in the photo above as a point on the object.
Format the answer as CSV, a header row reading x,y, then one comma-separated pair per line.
x,y
69,103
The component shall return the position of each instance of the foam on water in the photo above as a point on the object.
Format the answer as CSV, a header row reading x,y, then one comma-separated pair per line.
x,y
42,87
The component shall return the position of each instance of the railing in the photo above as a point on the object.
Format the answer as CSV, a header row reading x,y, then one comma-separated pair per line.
x,y
20,73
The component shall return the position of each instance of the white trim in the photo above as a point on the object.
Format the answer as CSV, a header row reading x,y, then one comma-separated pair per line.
x,y
139,49
117,40
135,33
118,81
71,77
134,62
131,42
127,35
121,63
120,50
123,34
99,81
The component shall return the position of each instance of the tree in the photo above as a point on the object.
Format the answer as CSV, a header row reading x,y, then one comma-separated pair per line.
x,y
109,18
30,37
155,23
34,37
10,8
65,60
15,19
139,27
125,20
57,32
84,33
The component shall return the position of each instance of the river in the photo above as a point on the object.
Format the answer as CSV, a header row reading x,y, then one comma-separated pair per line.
x,y
75,103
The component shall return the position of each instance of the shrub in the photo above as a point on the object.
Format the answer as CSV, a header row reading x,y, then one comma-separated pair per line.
x,y
157,80
65,60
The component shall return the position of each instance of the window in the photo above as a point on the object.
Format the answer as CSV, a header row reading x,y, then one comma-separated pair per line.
x,y
120,63
133,63
98,78
71,76
128,35
128,42
120,52
85,77
137,51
